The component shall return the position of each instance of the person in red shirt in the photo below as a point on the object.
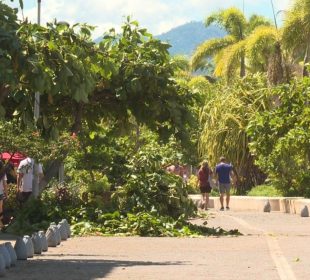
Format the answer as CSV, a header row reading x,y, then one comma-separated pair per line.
x,y
204,184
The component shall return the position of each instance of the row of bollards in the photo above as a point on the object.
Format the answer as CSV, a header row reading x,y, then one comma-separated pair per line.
x,y
26,246
303,213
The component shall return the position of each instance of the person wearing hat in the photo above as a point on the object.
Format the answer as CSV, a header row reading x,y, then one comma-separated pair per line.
x,y
224,171
204,184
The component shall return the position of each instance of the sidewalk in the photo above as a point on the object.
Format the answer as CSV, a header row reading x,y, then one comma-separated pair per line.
x,y
274,246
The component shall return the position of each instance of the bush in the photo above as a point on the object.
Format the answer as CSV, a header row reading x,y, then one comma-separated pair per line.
x,y
280,139
192,185
265,190
148,187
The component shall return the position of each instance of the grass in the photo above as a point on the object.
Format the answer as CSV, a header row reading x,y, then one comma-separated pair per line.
x,y
265,190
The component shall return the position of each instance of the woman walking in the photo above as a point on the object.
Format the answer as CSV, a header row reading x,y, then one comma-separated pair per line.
x,y
204,184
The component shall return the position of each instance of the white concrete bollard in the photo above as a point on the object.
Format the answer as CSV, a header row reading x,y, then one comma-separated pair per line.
x,y
57,232
12,253
37,244
267,206
43,241
2,266
51,237
29,245
304,212
67,226
20,249
6,255
63,230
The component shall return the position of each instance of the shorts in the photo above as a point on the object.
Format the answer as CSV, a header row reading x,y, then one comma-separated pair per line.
x,y
2,196
224,188
205,189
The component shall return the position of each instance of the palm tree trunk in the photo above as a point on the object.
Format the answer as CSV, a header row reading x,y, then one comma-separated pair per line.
x,y
275,70
242,66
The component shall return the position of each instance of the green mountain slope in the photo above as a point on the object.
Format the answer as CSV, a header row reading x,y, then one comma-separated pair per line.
x,y
185,38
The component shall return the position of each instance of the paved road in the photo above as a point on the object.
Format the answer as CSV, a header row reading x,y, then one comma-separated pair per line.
x,y
274,246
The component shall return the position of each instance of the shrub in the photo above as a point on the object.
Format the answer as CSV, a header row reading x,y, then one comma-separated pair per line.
x,y
192,185
265,190
280,138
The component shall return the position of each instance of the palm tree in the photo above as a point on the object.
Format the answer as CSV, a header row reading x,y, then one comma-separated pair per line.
x,y
263,51
296,32
228,52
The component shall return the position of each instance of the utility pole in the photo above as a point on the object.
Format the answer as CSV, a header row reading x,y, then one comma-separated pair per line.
x,y
274,15
36,111
243,6
36,114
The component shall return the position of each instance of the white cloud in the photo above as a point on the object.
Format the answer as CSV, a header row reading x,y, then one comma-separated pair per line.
x,y
156,15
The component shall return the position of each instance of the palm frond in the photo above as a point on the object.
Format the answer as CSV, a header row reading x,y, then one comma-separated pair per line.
x,y
208,49
230,61
231,19
256,21
261,44
296,29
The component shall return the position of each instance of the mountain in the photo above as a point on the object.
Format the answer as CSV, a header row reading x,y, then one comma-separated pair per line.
x,y
185,38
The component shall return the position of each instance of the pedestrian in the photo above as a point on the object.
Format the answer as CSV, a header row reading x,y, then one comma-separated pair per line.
x,y
3,191
204,173
11,173
224,171
176,169
25,178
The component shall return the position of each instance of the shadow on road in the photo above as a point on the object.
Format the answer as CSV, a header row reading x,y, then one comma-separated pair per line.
x,y
70,269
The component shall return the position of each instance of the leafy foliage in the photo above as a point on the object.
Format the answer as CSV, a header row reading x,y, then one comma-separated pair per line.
x,y
145,224
27,141
296,32
9,50
280,138
148,187
265,190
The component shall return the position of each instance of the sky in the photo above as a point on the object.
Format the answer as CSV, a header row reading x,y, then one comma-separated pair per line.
x,y
158,16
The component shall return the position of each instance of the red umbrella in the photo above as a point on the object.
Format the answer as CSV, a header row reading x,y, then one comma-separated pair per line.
x,y
15,158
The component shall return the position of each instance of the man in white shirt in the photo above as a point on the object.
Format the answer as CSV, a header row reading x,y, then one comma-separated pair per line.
x,y
25,178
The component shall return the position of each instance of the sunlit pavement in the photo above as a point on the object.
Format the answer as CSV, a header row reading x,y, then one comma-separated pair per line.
x,y
273,246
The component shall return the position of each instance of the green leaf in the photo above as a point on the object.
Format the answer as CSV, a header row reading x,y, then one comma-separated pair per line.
x,y
92,135
51,45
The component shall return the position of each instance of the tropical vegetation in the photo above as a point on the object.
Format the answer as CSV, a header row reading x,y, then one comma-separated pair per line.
x,y
117,113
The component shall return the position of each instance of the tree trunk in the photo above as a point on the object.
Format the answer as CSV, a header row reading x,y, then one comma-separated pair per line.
x,y
77,115
275,70
305,72
4,91
242,66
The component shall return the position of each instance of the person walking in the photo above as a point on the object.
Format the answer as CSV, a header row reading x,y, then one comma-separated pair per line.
x,y
224,172
25,178
3,191
203,180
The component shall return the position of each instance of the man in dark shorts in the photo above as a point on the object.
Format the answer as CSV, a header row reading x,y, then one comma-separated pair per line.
x,y
204,184
224,172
